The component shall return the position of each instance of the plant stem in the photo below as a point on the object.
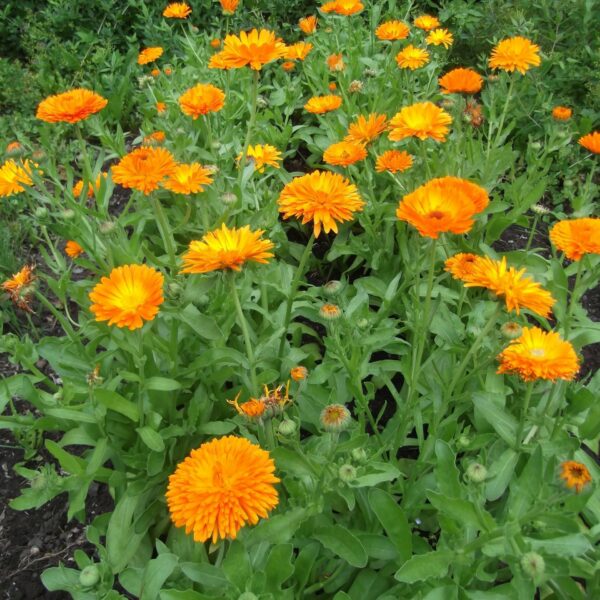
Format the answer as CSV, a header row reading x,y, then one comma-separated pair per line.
x,y
251,121
502,116
524,411
64,323
165,233
87,168
574,297
529,239
140,361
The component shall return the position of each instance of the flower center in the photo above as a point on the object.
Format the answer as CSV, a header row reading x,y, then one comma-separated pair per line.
x,y
436,214
538,352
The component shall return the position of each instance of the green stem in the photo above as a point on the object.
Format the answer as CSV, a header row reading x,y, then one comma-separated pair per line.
x,y
574,297
64,323
529,239
140,361
502,116
524,411
165,233
87,168
251,121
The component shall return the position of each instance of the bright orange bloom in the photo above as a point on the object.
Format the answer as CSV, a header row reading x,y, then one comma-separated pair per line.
x,y
149,55
155,72
422,120
70,107
14,175
18,287
73,249
226,249
154,139
440,37
263,154
253,409
330,312
229,6
215,43
177,10
144,169
577,237
516,53
288,65
322,197
323,104
129,296
254,49
298,51
426,22
344,153
575,475
461,265
201,99
298,373
221,487
392,30
308,25
168,71
441,205
332,86
394,161
537,354
14,148
461,81
188,179
343,7
366,129
412,57
161,107
517,289
335,62
561,113
91,190
591,142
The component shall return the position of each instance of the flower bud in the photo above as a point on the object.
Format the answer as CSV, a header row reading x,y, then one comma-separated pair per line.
x,y
511,330
262,102
359,455
362,323
67,214
568,183
175,289
228,198
355,86
540,209
476,472
107,227
333,287
335,417
464,441
370,72
331,312
287,427
41,212
533,564
298,373
535,145
347,473
89,577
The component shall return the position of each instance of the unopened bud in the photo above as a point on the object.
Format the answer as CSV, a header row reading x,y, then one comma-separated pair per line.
x,y
535,145
533,565
41,212
229,198
287,427
359,455
476,472
464,441
335,417
262,102
347,473
333,287
511,330
89,577
106,227
67,214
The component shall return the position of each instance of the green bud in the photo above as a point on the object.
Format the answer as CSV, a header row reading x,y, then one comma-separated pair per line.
x,y
174,289
333,287
90,576
568,183
359,455
362,324
533,565
347,473
464,441
287,427
535,145
248,596
67,214
106,227
41,212
476,472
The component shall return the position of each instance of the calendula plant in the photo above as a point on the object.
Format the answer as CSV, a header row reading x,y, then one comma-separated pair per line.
x,y
295,354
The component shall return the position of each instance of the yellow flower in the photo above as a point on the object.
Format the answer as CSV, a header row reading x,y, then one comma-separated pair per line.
x,y
177,10
344,153
422,120
13,176
254,49
149,55
516,53
308,24
335,62
412,57
575,475
298,51
323,104
201,99
188,178
253,409
263,154
591,142
426,22
440,37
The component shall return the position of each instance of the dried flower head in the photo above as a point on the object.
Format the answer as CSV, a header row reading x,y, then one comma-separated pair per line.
x,y
412,57
440,37
323,104
253,409
591,142
156,138
308,24
254,49
511,330
261,155
201,99
70,107
561,113
188,178
177,10
14,148
426,22
19,287
335,417
148,55
355,86
344,153
144,169
73,249
392,30
575,475
422,120
516,53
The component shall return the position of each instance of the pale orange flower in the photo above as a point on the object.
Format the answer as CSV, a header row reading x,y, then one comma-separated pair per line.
x,y
440,37
263,154
344,153
461,81
14,175
155,72
188,179
177,10
422,120
332,86
516,53
412,57
254,49
366,129
201,99
14,148
591,142
148,55
144,169
335,417
561,113
308,24
575,475
322,104
229,6
576,237
330,312
168,71
254,409
394,161
392,30
298,51
426,22
70,107
73,249
335,62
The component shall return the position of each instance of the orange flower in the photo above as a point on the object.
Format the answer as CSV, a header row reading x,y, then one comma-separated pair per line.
x,y
222,486
161,107
14,148
561,113
392,30
591,142
129,296
332,87
155,72
575,475
308,25
335,417
254,49
323,104
577,237
215,43
440,37
441,205
73,249
18,287
13,176
322,197
154,139
144,169
335,62
366,129
288,65
461,265
253,409
330,312
298,51
518,290
229,6
537,354
263,154
298,373
201,99
516,53
188,179
426,22
177,10
344,153
422,120
168,71
149,55
91,190
461,81
226,249
70,107
412,58
394,161
343,7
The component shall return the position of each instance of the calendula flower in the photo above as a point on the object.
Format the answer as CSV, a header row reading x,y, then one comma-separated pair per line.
x,y
201,99
538,354
426,22
221,487
161,107
330,312
14,148
440,37
215,43
461,265
129,296
15,175
335,62
322,104
253,409
394,161
576,237
344,153
355,86
188,178
177,10
263,154
168,71
288,65
144,169
308,24
412,57
366,129
575,475
18,287
148,55
298,373
392,30
229,6
422,120
73,249
519,291
335,417
343,7
511,330
561,113
298,51
332,86
461,81
155,72
226,249
445,204
591,142
70,107
254,49
91,190
154,139
516,53
324,198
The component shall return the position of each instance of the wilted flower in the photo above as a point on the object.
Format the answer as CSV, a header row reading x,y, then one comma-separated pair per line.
x,y
331,312
70,107
575,475
335,62
19,287
298,373
253,409
576,237
298,51
516,53
154,139
355,86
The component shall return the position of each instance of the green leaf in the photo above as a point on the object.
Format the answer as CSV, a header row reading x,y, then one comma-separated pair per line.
x,y
279,567
462,511
305,563
292,462
393,520
121,539
162,384
446,471
70,414
217,427
206,574
68,462
566,545
151,438
425,566
383,472
114,401
496,415
500,474
157,571
236,565
279,528
183,595
343,544
204,326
